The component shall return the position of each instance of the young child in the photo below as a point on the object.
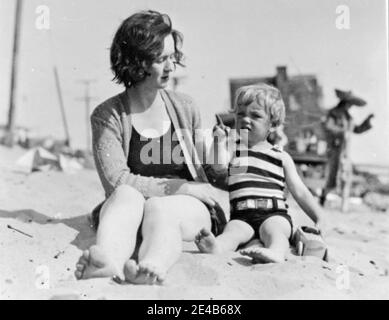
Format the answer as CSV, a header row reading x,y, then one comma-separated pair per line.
x,y
257,176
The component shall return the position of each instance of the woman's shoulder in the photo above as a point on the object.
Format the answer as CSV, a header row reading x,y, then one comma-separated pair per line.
x,y
181,98
112,107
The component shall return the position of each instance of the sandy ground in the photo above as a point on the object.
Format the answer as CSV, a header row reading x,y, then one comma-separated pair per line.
x,y
52,208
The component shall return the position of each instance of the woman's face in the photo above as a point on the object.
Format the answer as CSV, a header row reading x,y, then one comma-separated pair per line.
x,y
161,69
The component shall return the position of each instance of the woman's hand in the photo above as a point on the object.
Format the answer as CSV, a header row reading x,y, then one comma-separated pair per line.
x,y
200,190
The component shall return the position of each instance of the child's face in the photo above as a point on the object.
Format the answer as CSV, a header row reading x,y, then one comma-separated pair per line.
x,y
253,121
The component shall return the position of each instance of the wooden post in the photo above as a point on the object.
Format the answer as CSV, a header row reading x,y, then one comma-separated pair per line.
x,y
87,99
61,105
9,138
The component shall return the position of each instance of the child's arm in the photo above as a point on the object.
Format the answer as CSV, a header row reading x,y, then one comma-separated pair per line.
x,y
218,157
220,152
300,192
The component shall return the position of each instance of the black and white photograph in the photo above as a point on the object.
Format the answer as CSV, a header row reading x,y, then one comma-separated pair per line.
x,y
200,150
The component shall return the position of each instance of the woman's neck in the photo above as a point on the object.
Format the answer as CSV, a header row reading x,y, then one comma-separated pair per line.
x,y
142,98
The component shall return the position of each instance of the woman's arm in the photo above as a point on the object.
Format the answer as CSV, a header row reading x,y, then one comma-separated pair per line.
x,y
300,192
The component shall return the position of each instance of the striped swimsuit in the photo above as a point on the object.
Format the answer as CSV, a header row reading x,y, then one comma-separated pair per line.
x,y
257,175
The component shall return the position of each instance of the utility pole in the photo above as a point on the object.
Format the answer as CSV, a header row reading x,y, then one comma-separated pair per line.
x,y
87,99
62,107
9,139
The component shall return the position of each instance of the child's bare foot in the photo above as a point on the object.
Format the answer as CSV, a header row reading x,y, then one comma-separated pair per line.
x,y
206,241
93,264
144,273
263,255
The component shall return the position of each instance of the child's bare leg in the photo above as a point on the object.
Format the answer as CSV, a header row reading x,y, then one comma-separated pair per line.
x,y
274,233
120,218
167,222
235,233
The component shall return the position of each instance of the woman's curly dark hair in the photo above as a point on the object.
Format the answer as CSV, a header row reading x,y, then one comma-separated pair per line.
x,y
138,43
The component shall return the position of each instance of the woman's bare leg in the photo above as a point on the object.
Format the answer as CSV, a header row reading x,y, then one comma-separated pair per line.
x,y
167,222
120,218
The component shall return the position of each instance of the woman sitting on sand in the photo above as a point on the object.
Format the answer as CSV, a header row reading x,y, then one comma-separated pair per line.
x,y
172,199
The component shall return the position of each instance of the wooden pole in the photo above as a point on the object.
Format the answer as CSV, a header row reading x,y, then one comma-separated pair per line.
x,y
87,99
9,139
61,105
87,115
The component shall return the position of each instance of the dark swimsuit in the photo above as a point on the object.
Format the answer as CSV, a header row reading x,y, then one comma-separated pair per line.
x,y
161,159
166,162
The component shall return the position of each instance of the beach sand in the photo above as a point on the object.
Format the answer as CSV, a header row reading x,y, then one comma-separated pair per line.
x,y
52,207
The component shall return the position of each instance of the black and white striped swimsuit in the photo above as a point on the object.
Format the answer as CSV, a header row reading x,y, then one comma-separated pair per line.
x,y
256,174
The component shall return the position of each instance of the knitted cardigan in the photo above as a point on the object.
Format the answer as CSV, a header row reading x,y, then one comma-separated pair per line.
x,y
111,134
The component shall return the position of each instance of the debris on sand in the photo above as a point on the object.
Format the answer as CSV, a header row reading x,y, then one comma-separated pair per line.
x,y
17,230
58,254
38,159
377,201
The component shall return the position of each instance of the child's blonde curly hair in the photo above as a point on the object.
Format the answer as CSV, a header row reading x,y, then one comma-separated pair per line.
x,y
266,96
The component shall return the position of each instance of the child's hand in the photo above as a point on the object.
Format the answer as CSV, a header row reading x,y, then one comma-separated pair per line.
x,y
220,130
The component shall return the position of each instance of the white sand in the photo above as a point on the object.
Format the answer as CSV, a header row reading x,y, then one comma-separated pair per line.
x,y
52,207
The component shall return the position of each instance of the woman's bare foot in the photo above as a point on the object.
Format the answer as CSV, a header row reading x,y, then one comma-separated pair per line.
x,y
206,241
94,264
144,273
263,255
